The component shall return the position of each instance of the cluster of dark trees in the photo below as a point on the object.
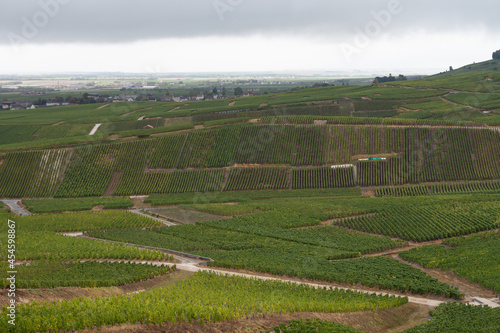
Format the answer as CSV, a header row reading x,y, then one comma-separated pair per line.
x,y
389,78
85,99
496,55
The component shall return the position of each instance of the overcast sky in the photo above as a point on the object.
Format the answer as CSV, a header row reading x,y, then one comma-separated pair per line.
x,y
409,36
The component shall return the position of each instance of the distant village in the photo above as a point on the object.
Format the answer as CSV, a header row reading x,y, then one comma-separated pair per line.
x,y
150,93
89,98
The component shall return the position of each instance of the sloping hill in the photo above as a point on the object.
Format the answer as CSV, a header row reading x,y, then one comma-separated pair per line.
x,y
485,66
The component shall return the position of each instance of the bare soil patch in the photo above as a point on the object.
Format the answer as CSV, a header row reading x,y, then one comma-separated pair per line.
x,y
232,103
253,165
390,320
326,102
402,110
357,157
98,208
103,106
368,192
59,123
132,112
155,135
138,202
129,138
199,127
263,105
157,170
113,183
177,121
249,165
253,121
113,137
176,108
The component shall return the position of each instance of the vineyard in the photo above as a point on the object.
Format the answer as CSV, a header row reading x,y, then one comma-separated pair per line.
x,y
84,221
380,272
62,205
272,243
258,178
423,221
490,186
333,186
309,325
48,245
323,177
225,197
453,317
32,173
181,181
90,274
196,161
475,257
190,300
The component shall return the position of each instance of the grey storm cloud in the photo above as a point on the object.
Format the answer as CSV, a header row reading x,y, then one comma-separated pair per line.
x,y
115,21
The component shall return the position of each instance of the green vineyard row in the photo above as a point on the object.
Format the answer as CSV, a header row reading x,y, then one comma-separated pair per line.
x,y
190,300
445,188
411,155
52,274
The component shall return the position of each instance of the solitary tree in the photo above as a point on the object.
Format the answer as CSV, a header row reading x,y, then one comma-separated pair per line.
x,y
496,55
451,68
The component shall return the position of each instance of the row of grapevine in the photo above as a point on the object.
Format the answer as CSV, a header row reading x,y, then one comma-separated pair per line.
x,y
441,188
310,145
180,181
486,150
402,191
447,154
263,178
190,300
425,223
49,245
381,272
414,155
33,173
309,325
75,204
89,171
346,142
58,273
166,151
240,178
457,317
345,120
326,110
92,167
374,173
266,145
474,257
322,177
195,149
286,227
84,221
